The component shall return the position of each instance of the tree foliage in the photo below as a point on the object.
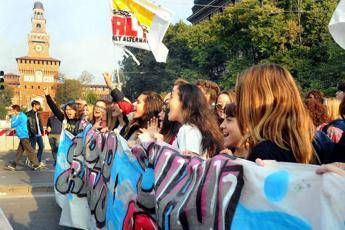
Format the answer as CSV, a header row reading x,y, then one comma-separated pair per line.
x,y
6,96
289,32
70,89
91,98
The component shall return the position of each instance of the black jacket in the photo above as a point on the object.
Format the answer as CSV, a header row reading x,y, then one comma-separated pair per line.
x,y
55,124
32,124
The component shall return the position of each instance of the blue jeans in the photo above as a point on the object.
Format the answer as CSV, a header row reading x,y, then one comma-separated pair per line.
x,y
39,141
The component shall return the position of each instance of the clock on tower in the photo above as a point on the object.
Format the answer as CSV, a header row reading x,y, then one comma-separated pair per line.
x,y
38,48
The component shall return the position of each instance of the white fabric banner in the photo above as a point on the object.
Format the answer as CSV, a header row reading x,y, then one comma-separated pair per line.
x,y
337,24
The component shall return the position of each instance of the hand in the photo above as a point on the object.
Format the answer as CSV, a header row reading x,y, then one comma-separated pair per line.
x,y
108,79
46,91
104,130
337,167
189,153
263,163
49,129
152,125
97,125
226,151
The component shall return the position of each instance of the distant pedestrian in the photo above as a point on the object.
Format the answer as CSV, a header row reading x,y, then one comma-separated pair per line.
x,y
54,128
35,128
19,122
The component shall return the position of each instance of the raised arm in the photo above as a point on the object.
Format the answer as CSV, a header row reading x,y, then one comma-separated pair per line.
x,y
53,107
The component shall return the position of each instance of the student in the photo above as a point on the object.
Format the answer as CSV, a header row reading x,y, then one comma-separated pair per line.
x,y
54,127
210,89
272,115
161,129
233,138
316,95
199,133
70,117
19,122
332,105
35,128
147,106
317,112
223,98
99,115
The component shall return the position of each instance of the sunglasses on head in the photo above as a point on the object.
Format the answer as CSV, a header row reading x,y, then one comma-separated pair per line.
x,y
100,107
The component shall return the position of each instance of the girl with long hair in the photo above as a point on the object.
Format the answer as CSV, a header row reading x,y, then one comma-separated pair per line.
x,y
199,133
147,106
272,115
98,120
116,119
160,128
332,105
223,98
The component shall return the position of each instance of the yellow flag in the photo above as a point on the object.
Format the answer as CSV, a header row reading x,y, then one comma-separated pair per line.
x,y
141,24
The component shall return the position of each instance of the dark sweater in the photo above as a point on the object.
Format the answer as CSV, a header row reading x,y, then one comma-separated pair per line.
x,y
55,124
267,150
326,150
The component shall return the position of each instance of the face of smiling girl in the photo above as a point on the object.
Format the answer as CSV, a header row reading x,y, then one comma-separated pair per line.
x,y
139,106
231,132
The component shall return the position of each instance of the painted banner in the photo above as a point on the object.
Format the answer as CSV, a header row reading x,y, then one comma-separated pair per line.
x,y
101,184
337,24
141,24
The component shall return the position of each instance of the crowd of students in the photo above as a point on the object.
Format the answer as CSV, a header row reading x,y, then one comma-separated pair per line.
x,y
263,118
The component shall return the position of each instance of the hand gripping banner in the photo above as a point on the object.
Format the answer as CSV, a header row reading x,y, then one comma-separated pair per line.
x,y
141,24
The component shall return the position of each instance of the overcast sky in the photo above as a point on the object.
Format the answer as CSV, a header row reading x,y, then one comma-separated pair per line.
x,y
80,32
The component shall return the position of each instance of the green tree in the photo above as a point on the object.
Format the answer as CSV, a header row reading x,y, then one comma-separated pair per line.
x,y
6,96
90,98
70,89
289,32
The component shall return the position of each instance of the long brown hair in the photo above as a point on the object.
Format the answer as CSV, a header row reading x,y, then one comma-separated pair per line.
x,y
196,111
152,107
270,108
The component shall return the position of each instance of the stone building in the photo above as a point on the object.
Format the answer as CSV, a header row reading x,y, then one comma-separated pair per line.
x,y
101,91
13,81
38,69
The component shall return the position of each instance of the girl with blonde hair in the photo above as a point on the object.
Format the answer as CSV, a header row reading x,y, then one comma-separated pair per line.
x,y
332,105
272,115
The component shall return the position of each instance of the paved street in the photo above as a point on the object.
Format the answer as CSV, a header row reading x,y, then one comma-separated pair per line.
x,y
31,212
26,196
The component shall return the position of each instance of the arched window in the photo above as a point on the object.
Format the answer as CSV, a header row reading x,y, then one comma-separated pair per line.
x,y
38,26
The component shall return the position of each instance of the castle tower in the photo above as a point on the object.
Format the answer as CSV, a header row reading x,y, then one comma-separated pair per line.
x,y
38,69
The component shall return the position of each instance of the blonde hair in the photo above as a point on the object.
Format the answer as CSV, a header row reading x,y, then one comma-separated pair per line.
x,y
270,108
332,105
